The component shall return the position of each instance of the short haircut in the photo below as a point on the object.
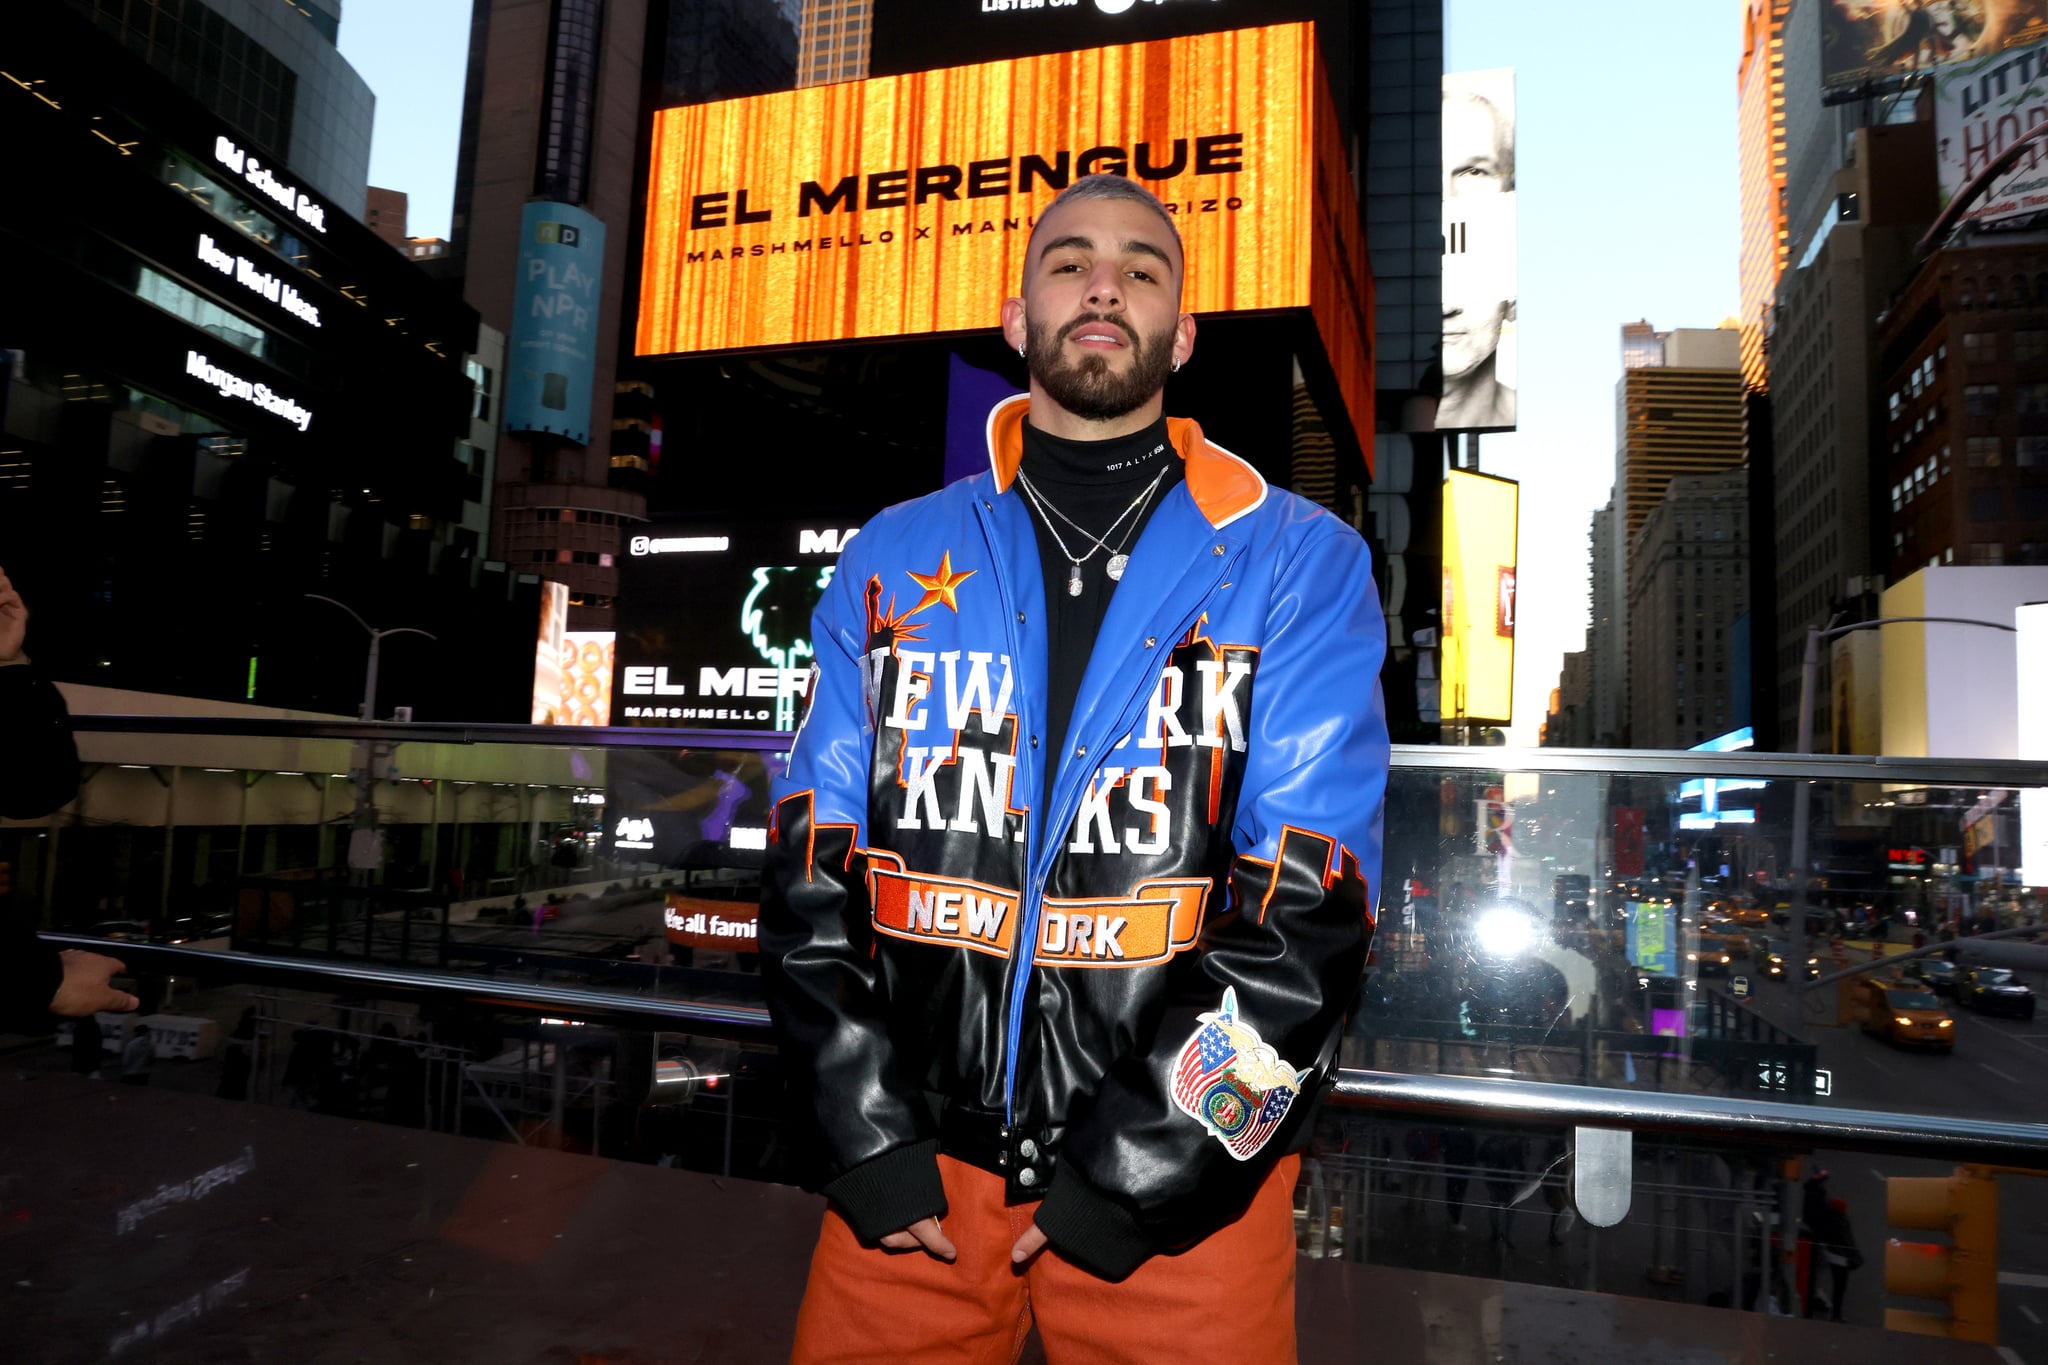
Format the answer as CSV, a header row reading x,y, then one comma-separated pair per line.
x,y
1104,185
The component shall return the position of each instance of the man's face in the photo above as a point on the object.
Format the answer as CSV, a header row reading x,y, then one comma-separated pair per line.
x,y
1473,314
1473,163
1100,312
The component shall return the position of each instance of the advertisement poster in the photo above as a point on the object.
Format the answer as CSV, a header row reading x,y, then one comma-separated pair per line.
x,y
1628,841
551,356
715,622
1479,276
1653,937
587,677
1870,40
1980,109
547,653
1481,514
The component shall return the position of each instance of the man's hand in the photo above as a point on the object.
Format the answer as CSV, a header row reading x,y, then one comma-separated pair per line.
x,y
1028,1245
13,621
85,989
924,1233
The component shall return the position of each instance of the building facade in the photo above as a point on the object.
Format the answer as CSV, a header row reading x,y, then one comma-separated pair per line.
x,y
269,68
1965,372
1607,632
1852,257
833,42
1570,722
225,393
1688,584
552,116
1760,115
1676,412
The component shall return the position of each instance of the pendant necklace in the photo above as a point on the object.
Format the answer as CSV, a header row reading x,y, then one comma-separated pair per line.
x,y
1118,560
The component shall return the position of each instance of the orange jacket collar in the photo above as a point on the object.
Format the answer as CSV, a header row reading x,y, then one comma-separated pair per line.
x,y
1223,486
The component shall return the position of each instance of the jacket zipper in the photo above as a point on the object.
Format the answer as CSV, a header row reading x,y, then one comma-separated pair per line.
x,y
1027,925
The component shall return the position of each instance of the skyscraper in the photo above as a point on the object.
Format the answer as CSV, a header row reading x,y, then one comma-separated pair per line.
x,y
1853,256
1678,413
1607,634
1687,584
270,69
1760,106
832,42
543,144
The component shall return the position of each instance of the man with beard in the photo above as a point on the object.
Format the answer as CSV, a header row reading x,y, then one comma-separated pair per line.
x,y
1070,884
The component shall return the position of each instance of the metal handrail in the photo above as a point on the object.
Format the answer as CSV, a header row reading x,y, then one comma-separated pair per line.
x,y
1773,1122
1627,762
744,1023
1766,1122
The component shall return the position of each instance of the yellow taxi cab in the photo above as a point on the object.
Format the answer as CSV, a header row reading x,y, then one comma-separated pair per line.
x,y
1906,1014
1749,914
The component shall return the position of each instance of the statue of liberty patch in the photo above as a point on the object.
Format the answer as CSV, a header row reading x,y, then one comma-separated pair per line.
x,y
1228,1080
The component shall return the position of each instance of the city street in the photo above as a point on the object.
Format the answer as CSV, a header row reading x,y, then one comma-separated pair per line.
x,y
1999,1070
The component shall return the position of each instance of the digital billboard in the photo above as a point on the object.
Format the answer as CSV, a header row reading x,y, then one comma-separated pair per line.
x,y
902,205
918,35
1480,517
1980,109
1869,40
1479,276
547,653
551,356
715,622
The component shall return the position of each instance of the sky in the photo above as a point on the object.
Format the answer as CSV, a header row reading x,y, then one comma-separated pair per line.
x,y
1628,202
413,55
1626,186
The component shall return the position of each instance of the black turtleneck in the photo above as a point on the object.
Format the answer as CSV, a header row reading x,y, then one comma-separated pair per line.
x,y
1091,482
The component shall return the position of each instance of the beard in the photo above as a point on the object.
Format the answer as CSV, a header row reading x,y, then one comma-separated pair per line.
x,y
1088,387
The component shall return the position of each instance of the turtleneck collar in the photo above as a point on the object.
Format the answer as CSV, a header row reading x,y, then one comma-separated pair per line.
x,y
1121,461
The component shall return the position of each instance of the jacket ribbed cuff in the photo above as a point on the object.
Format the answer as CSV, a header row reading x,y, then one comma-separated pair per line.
x,y
890,1192
1090,1229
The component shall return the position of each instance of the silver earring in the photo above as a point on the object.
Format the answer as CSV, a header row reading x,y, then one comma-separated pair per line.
x,y
1176,367
1020,350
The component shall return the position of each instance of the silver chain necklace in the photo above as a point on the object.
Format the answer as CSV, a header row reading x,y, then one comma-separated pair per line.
x,y
1118,560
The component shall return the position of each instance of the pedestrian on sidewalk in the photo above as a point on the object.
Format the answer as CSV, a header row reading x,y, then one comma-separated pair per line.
x,y
1834,1246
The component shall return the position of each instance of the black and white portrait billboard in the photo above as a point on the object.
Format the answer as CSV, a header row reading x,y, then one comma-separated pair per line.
x,y
1479,282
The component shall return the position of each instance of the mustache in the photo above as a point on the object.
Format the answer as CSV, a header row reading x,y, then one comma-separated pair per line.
x,y
1099,320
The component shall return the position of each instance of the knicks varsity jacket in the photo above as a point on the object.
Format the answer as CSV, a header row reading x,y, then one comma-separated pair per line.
x,y
1124,990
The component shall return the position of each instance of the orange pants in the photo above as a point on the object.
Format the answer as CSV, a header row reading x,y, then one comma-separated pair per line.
x,y
1229,1297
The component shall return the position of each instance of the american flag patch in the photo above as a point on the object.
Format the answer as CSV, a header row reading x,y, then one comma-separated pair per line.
x,y
1228,1080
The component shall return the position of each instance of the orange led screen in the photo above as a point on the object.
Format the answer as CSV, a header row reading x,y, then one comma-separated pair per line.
x,y
902,205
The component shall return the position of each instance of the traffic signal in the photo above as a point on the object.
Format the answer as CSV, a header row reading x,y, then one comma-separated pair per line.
x,y
1964,1272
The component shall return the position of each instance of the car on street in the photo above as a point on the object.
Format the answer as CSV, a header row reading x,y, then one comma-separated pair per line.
x,y
1938,974
1905,1013
1724,936
1749,914
1775,956
1995,990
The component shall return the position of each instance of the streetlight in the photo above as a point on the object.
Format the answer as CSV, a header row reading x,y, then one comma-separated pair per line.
x,y
1802,796
363,852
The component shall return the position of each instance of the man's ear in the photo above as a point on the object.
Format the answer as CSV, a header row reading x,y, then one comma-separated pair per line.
x,y
1183,340
1014,330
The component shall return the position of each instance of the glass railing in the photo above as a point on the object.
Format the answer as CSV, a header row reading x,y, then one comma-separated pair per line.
x,y
1605,1011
